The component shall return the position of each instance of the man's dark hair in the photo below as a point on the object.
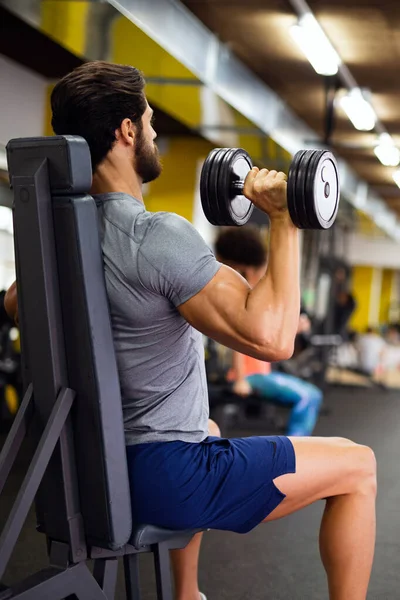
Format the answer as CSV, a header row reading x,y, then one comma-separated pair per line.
x,y
93,100
241,245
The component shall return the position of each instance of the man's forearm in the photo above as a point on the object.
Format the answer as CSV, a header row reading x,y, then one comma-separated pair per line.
x,y
274,303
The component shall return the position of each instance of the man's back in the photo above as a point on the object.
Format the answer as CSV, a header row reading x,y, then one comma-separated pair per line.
x,y
153,263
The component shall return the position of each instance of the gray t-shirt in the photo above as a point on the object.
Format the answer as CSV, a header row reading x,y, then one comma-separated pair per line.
x,y
153,263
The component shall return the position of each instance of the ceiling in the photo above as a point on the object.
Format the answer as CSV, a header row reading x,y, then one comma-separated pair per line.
x,y
367,37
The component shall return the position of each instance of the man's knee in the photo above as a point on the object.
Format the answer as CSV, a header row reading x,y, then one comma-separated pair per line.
x,y
213,429
362,467
342,442
369,468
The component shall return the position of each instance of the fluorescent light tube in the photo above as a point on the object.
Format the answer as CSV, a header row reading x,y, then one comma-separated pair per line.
x,y
396,177
359,110
315,45
387,152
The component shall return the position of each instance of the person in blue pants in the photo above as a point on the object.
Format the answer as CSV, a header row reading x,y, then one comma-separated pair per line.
x,y
243,250
304,397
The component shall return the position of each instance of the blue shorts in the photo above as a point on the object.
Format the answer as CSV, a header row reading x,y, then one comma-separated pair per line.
x,y
219,483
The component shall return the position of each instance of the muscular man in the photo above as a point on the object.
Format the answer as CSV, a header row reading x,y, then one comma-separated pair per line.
x,y
242,249
166,289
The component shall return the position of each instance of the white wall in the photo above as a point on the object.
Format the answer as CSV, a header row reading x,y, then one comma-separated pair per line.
x,y
22,114
7,264
22,101
379,252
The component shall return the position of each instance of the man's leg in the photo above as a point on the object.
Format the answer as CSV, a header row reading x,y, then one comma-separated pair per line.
x,y
344,474
185,569
185,562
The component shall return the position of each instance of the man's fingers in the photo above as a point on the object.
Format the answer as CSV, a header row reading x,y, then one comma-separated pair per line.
x,y
252,174
249,181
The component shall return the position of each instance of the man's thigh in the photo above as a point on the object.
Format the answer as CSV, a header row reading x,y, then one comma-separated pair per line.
x,y
324,467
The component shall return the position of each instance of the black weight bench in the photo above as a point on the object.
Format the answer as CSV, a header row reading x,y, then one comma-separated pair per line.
x,y
72,405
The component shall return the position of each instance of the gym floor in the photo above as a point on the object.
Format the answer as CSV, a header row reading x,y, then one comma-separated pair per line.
x,y
278,561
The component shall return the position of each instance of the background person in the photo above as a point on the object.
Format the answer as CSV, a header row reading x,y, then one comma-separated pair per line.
x,y
371,351
243,250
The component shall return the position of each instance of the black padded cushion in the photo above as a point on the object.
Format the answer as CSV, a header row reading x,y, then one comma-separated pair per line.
x,y
147,535
68,159
92,372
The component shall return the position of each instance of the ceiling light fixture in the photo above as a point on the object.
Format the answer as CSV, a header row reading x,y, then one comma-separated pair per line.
x,y
359,110
396,177
313,42
387,152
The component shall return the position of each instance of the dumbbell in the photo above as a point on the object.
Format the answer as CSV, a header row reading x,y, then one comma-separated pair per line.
x,y
313,190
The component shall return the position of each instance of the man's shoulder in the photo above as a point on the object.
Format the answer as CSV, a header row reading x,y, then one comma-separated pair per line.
x,y
169,220
168,226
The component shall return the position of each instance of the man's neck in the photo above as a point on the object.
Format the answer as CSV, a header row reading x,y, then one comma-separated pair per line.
x,y
107,180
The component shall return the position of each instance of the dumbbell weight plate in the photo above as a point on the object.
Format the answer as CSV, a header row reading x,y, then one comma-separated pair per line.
x,y
313,189
208,206
323,191
300,190
234,206
208,186
241,207
292,192
309,189
216,206
218,192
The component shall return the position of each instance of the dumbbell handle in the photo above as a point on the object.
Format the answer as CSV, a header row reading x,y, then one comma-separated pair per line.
x,y
238,185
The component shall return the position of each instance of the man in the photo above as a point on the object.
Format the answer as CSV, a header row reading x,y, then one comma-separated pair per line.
x,y
243,250
165,290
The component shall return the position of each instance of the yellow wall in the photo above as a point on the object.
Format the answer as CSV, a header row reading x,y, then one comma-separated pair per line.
x,y
131,46
386,295
66,22
373,295
362,279
174,191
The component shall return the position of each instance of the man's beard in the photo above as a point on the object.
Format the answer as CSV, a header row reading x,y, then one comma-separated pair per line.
x,y
147,159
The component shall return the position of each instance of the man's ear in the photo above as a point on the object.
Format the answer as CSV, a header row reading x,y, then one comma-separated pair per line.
x,y
126,132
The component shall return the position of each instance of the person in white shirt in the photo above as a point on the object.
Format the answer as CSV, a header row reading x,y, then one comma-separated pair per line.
x,y
371,348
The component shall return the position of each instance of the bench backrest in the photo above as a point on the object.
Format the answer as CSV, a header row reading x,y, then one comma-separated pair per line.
x,y
66,339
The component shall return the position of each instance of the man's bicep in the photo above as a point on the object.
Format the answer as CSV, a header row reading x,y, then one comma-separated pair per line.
x,y
219,312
